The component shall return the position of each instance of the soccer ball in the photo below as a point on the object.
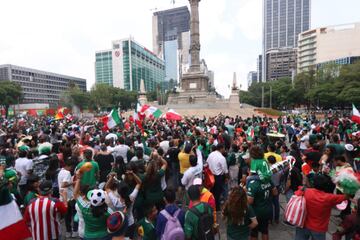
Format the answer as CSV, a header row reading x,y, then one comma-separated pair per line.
x,y
97,197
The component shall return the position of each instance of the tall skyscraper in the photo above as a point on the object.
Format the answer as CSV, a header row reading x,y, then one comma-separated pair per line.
x,y
283,21
126,63
171,40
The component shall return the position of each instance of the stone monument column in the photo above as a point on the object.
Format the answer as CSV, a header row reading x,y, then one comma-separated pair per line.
x,y
195,36
195,80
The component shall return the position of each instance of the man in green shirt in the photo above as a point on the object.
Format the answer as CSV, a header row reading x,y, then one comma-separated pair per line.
x,y
90,177
260,198
192,226
146,226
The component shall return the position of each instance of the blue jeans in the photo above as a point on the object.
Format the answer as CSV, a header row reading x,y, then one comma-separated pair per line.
x,y
306,234
289,194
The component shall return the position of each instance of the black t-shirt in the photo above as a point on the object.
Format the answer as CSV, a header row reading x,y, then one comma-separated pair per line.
x,y
104,161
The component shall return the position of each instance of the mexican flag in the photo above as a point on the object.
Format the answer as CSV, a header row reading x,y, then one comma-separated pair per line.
x,y
138,116
173,116
151,112
113,119
355,115
12,224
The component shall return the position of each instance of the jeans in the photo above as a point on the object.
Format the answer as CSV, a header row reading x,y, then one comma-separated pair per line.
x,y
289,194
69,217
276,207
234,175
218,189
306,234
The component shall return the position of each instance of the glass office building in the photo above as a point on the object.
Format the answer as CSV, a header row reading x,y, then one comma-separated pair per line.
x,y
103,67
283,21
126,64
169,40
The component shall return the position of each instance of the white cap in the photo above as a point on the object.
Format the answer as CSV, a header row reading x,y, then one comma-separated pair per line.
x,y
197,181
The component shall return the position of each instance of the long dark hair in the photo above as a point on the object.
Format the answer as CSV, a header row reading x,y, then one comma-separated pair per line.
x,y
123,190
150,175
99,210
236,206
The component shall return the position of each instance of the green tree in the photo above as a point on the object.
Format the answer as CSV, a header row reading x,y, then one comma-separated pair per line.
x,y
349,84
75,96
10,94
152,96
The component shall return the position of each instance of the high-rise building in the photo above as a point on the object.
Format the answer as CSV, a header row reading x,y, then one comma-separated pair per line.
x,y
336,44
259,68
39,86
126,63
171,40
281,63
252,78
283,20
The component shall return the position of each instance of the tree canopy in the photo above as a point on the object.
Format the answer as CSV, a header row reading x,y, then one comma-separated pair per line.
x,y
100,97
10,93
330,86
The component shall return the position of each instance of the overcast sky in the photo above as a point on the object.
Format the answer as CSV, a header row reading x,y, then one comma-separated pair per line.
x,y
62,36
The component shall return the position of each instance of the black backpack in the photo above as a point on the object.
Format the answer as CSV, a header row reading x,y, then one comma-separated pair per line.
x,y
205,224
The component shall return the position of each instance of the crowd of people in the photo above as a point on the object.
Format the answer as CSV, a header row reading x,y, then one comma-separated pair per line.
x,y
176,179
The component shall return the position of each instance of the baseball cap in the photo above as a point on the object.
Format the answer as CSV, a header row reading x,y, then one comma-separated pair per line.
x,y
45,187
349,147
197,181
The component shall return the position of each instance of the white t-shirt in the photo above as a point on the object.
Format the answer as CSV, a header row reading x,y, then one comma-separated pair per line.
x,y
217,163
65,177
120,150
81,227
193,172
23,165
119,205
164,145
303,142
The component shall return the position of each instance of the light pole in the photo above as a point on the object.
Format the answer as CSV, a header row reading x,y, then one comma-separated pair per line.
x,y
262,96
270,96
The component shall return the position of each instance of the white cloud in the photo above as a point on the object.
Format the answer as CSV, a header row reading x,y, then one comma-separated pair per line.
x,y
249,19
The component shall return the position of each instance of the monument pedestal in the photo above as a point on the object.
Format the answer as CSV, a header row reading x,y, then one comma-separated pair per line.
x,y
234,98
195,81
196,90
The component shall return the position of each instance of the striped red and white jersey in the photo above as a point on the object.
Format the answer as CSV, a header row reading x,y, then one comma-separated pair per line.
x,y
44,216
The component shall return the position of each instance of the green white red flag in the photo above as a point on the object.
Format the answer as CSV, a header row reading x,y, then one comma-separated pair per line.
x,y
355,115
113,119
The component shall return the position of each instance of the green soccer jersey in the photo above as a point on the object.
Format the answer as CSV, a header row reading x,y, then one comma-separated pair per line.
x,y
89,177
261,192
261,168
28,197
95,227
240,231
146,229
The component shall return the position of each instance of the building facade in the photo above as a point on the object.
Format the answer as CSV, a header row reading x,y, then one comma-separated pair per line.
x,y
259,69
336,44
252,78
283,20
281,63
126,64
171,40
39,86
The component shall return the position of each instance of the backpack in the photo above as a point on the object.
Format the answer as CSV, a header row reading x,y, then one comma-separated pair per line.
x,y
295,212
173,229
209,178
205,224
